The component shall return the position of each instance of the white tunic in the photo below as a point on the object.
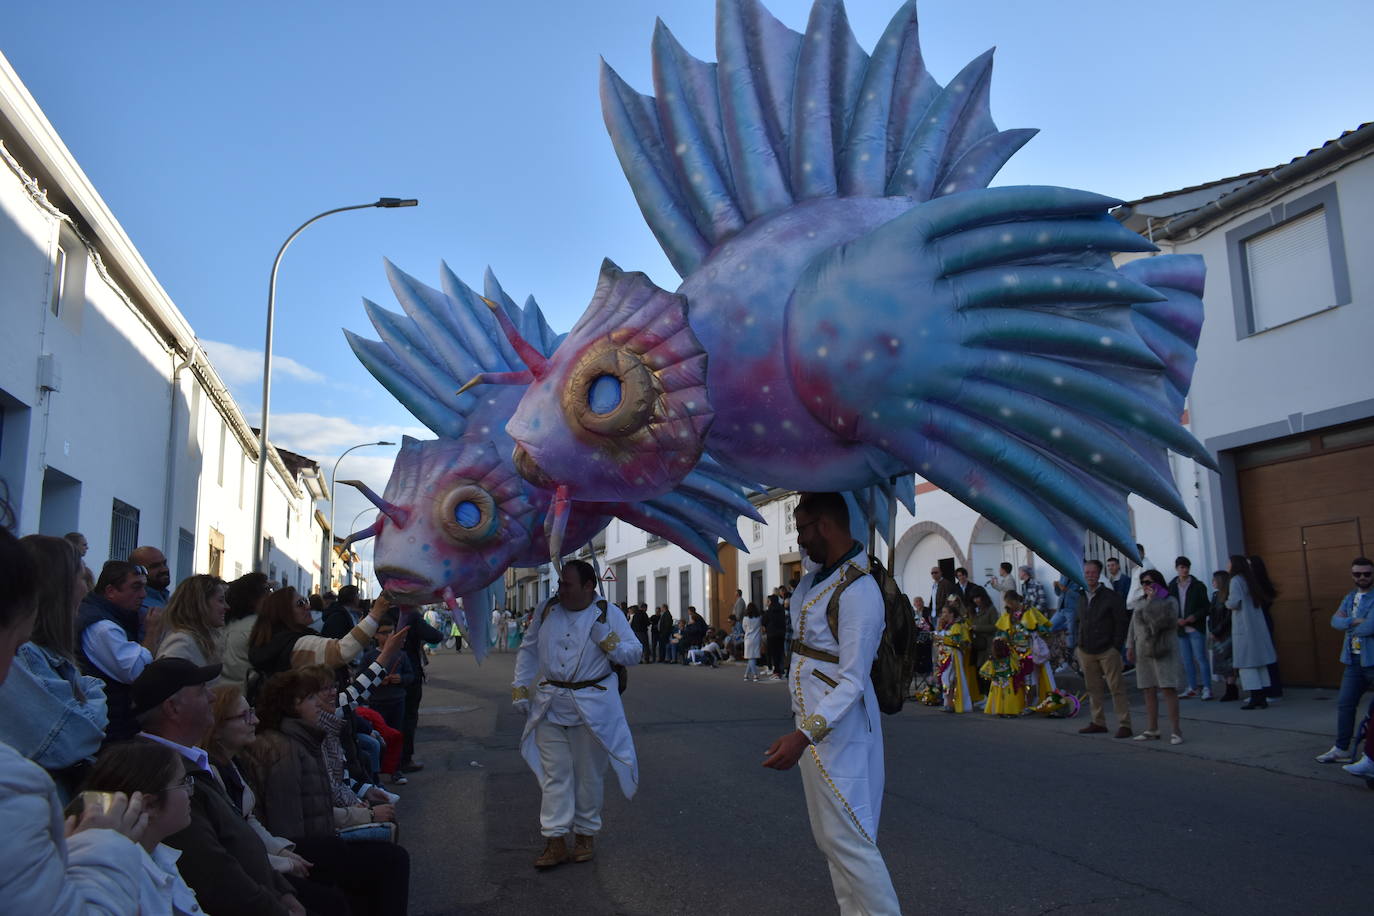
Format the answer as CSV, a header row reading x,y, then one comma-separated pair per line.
x,y
570,646
834,703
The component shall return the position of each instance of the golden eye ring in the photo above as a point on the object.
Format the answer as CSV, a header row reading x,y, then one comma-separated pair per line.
x,y
467,515
638,392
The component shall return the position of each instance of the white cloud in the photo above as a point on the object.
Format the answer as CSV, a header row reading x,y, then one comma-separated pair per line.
x,y
324,438
241,366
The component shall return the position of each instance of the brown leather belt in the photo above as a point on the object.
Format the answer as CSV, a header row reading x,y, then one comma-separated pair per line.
x,y
575,685
801,648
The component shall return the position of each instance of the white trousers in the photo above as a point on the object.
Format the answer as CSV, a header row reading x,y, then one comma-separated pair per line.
x,y
574,765
857,870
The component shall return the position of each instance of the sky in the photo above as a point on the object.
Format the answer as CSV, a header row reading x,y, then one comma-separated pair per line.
x,y
213,130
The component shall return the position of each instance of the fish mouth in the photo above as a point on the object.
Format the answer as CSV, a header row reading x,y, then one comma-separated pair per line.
x,y
399,583
528,468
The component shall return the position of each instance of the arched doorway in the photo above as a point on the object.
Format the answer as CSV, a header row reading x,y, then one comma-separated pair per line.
x,y
989,547
921,547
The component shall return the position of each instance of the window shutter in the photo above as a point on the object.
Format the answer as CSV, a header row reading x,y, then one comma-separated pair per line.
x,y
1290,271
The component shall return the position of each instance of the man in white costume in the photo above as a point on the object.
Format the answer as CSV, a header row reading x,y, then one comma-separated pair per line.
x,y
565,682
839,738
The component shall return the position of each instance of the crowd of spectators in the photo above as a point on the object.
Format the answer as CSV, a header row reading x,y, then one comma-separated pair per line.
x,y
203,747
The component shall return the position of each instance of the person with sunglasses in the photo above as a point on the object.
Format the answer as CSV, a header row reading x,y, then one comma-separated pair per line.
x,y
160,774
1355,617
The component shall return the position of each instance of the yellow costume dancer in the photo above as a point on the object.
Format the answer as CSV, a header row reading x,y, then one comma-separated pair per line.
x,y
951,663
1040,682
1007,695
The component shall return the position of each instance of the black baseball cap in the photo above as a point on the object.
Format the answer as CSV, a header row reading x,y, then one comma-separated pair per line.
x,y
163,677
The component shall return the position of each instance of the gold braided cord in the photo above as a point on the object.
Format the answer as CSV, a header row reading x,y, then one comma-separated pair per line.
x,y
608,644
519,693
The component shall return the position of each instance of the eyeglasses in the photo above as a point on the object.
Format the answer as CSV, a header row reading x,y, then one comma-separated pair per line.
x,y
1363,575
301,602
189,784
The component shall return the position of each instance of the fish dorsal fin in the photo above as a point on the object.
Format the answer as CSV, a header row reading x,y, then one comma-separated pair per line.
x,y
785,117
441,341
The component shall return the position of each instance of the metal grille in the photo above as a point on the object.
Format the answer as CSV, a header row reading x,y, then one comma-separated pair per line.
x,y
123,530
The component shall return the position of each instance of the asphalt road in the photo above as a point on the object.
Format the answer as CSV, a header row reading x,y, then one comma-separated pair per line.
x,y
981,815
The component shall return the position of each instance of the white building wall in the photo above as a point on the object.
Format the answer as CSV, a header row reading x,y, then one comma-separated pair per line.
x,y
120,413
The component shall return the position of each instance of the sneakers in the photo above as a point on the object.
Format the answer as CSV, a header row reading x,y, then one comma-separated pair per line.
x,y
1206,693
1364,768
1189,694
1175,739
1335,755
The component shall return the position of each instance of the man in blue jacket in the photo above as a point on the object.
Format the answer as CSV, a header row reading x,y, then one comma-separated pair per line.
x,y
1355,617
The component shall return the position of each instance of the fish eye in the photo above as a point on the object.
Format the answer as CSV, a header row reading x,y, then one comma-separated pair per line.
x,y
610,392
467,514
604,394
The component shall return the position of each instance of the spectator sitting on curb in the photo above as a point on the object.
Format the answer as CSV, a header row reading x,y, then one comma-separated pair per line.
x,y
54,715
108,646
222,859
87,864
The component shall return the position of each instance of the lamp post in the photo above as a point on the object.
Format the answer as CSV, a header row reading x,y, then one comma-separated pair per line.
x,y
332,473
386,202
352,526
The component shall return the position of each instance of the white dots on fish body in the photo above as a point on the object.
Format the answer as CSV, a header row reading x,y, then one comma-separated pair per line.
x,y
1056,432
1043,238
1095,457
868,355
1058,380
1057,280
1112,284
864,157
894,342
822,352
951,187
1010,279
1005,411
759,429
1007,238
766,388
681,149
1105,340
749,320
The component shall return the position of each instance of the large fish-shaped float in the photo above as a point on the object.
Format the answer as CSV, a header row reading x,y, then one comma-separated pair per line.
x,y
864,307
455,514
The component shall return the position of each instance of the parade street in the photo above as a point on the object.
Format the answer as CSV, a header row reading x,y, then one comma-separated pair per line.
x,y
981,815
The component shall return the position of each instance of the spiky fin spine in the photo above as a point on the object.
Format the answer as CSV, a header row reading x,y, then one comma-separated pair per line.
x,y
785,117
440,342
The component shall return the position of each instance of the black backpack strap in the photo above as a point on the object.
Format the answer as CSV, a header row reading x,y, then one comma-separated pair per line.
x,y
601,618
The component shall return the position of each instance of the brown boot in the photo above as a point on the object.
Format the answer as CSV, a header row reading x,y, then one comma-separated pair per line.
x,y
583,848
555,853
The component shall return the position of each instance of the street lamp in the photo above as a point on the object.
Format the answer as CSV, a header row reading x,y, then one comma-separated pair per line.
x,y
386,202
352,526
332,473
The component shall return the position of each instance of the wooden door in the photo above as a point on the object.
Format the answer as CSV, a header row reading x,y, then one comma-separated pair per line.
x,y
723,585
1304,517
1327,552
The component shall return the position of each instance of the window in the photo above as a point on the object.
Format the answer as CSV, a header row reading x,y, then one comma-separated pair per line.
x,y
217,555
758,533
68,283
123,530
1289,263
223,437
59,280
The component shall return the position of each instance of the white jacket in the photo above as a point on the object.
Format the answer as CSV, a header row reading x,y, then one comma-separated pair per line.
x,y
96,872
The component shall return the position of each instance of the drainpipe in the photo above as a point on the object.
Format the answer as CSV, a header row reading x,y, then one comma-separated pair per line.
x,y
169,488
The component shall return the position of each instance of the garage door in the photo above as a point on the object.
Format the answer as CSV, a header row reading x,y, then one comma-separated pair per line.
x,y
1308,509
